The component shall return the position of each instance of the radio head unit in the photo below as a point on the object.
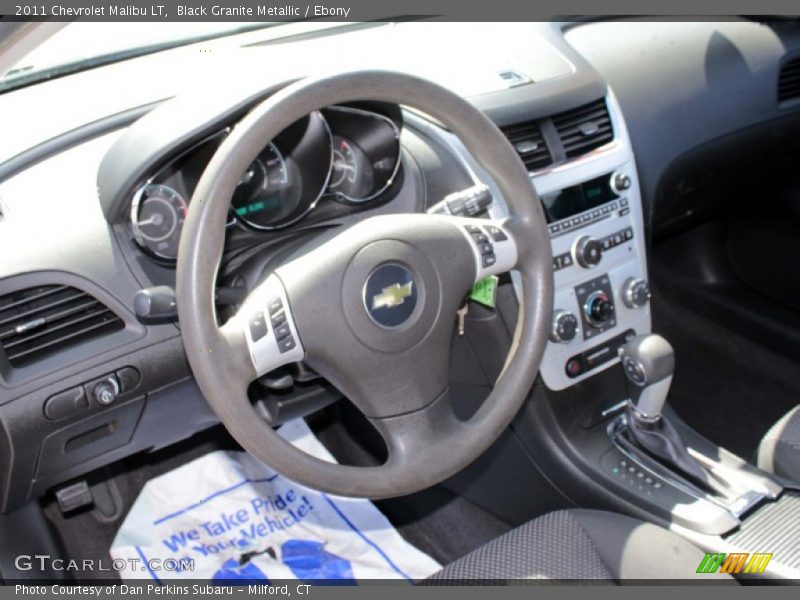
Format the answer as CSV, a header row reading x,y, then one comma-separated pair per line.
x,y
582,197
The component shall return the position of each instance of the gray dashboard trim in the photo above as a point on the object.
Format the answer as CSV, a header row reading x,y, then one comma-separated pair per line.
x,y
74,137
541,99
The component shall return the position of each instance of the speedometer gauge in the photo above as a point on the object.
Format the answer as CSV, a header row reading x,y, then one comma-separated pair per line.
x,y
265,194
287,178
157,216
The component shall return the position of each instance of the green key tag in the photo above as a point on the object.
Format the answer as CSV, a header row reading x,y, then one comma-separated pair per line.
x,y
485,291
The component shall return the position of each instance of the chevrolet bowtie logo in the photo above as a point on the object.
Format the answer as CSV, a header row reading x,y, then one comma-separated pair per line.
x,y
392,296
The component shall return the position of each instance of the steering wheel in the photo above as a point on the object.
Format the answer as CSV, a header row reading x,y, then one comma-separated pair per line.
x,y
374,308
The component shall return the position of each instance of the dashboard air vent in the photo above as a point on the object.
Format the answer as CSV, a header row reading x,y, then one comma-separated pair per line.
x,y
39,321
584,128
529,143
789,80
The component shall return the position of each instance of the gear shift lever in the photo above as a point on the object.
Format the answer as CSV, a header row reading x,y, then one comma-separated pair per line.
x,y
648,362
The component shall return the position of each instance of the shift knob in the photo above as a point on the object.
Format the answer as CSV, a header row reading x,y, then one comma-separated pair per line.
x,y
648,362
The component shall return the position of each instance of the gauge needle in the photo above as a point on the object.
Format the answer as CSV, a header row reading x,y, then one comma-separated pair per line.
x,y
154,220
340,165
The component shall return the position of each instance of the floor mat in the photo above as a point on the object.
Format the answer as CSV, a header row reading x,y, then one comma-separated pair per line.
x,y
125,479
226,517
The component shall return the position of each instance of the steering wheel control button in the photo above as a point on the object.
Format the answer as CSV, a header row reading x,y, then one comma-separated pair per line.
x,y
480,238
66,404
129,378
497,234
286,344
105,391
390,295
565,327
596,300
282,331
258,326
495,250
587,251
269,347
278,319
274,305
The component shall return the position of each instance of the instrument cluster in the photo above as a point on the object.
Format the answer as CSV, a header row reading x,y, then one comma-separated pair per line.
x,y
342,154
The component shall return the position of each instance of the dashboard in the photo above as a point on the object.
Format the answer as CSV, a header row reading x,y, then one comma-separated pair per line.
x,y
340,154
92,201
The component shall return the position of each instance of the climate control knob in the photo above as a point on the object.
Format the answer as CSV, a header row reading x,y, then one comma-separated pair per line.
x,y
635,292
565,327
598,309
587,251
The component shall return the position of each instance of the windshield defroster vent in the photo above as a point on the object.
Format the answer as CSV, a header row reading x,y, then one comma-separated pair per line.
x,y
585,128
39,321
529,143
789,81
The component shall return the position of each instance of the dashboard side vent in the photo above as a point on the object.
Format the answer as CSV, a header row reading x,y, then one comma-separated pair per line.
x,y
39,321
529,143
789,80
584,128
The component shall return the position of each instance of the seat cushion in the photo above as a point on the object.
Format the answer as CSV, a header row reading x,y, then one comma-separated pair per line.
x,y
583,545
779,451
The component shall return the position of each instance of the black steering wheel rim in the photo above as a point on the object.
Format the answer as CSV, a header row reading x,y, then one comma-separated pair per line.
x,y
216,355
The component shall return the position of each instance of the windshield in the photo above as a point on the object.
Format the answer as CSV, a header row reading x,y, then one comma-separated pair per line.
x,y
80,46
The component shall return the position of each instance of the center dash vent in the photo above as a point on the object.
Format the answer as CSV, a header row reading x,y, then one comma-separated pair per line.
x,y
529,143
789,80
584,128
39,321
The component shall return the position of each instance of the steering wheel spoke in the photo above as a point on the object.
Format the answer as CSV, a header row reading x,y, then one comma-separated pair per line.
x,y
410,437
266,324
493,245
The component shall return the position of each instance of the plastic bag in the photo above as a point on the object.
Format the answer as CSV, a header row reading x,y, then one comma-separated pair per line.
x,y
227,518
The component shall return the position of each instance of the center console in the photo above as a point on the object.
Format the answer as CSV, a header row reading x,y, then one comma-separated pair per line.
x,y
595,218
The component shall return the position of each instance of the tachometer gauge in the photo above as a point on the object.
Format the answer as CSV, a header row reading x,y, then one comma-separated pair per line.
x,y
352,175
366,151
345,164
157,216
